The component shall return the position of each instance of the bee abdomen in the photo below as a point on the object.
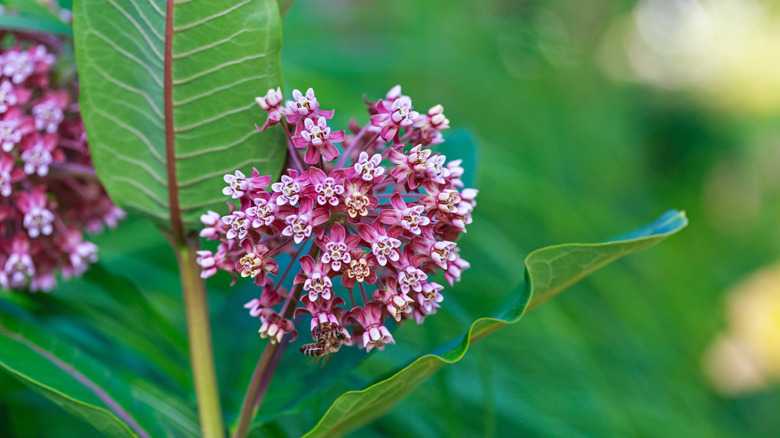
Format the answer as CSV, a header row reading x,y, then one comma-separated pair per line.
x,y
312,350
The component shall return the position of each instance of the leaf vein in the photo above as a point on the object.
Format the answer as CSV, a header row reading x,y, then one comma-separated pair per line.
x,y
210,17
127,54
215,90
209,46
146,20
124,86
137,27
217,68
217,148
213,119
232,168
141,188
136,132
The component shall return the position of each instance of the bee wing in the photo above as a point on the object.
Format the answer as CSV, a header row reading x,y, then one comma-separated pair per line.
x,y
327,358
315,359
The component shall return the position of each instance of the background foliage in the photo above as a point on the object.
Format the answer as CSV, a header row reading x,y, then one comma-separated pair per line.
x,y
568,153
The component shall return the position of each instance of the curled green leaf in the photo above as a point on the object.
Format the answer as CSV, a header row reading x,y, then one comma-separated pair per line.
x,y
549,271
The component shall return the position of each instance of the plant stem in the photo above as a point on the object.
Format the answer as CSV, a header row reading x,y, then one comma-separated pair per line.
x,y
269,360
285,7
199,335
261,376
73,170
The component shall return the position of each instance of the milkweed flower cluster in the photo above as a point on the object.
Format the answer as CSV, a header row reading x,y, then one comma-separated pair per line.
x,y
383,214
47,200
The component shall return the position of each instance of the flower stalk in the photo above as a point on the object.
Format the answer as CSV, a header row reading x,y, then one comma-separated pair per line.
x,y
199,335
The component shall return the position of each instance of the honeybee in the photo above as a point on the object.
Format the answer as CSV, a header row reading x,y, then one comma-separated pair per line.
x,y
329,340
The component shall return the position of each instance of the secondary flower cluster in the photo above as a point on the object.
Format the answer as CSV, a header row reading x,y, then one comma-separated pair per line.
x,y
47,197
383,214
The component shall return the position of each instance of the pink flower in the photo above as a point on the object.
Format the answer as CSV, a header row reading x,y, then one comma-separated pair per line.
x,y
256,263
300,225
48,114
8,175
213,225
10,96
359,270
368,169
289,190
436,169
336,248
19,265
428,301
268,300
239,184
207,263
327,188
271,102
315,280
397,302
384,245
409,216
304,105
37,218
274,327
390,249
238,223
49,211
429,126
441,252
43,282
410,166
38,156
410,276
390,120
324,312
12,128
446,201
17,65
454,268
371,318
318,140
80,254
358,200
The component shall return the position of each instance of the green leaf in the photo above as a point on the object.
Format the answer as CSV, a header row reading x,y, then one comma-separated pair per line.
x,y
32,17
221,55
548,272
29,24
69,378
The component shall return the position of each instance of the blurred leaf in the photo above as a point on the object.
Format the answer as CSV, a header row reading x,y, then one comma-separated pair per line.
x,y
548,272
33,17
222,55
29,24
555,268
95,375
72,380
118,309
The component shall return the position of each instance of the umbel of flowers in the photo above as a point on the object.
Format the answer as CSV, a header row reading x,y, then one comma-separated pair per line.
x,y
380,215
48,193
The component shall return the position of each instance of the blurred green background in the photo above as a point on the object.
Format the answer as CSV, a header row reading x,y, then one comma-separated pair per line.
x,y
576,145
593,117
